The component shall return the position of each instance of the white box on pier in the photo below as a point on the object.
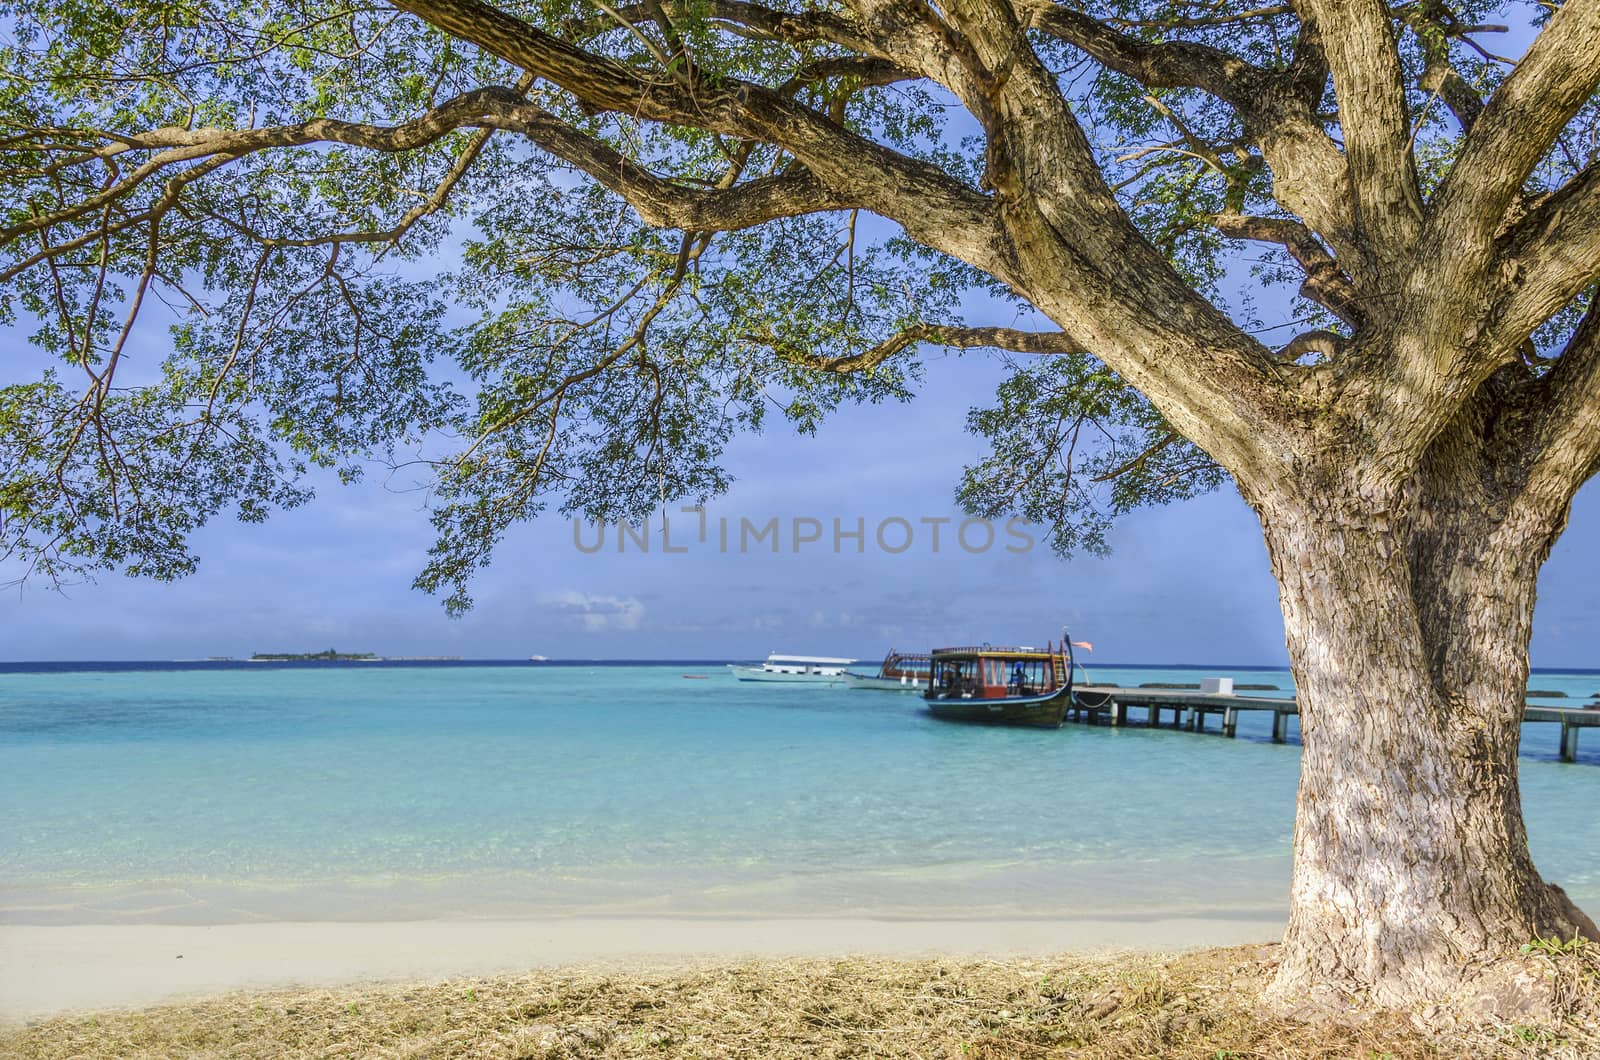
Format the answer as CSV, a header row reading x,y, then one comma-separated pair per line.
x,y
1216,686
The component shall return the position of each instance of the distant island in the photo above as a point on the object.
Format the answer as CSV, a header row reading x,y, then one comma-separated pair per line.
x,y
342,656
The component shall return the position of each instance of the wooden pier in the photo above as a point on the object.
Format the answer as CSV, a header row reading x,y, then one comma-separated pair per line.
x,y
1191,711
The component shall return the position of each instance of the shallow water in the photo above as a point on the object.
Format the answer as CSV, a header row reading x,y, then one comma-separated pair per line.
x,y
368,791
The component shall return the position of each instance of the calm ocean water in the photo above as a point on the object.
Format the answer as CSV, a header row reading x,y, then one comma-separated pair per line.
x,y
212,793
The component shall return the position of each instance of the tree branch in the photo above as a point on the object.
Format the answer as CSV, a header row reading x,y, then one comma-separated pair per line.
x,y
174,146
1419,375
1365,64
667,205
1277,108
1165,64
1548,258
1325,284
1440,76
1566,428
1140,460
1083,263
933,207
1538,98
750,20
1192,359
962,338
863,71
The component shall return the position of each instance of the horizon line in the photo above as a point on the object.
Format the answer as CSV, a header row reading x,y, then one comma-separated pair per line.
x,y
623,660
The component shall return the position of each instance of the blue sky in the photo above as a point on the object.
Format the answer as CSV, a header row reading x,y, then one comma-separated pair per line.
x,y
1185,584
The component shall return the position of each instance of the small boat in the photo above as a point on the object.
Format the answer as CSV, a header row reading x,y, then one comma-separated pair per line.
x,y
899,672
990,685
818,669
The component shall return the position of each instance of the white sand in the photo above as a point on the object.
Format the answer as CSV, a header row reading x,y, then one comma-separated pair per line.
x,y
51,969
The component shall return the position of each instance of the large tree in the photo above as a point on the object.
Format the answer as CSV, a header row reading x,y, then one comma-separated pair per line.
x,y
657,215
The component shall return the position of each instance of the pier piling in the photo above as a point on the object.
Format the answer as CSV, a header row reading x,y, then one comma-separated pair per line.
x,y
1190,709
1569,740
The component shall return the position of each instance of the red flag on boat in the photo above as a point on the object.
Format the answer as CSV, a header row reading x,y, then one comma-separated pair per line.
x,y
1085,645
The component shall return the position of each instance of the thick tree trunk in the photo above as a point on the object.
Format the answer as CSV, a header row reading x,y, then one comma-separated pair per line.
x,y
1408,622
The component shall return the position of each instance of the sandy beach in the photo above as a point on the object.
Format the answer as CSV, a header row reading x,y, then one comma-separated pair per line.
x,y
55,969
637,1003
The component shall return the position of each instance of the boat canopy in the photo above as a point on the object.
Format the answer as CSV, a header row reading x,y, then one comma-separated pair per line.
x,y
995,650
905,664
989,671
814,660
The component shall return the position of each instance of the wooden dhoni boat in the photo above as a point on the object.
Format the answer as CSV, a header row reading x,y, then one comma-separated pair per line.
x,y
991,685
899,672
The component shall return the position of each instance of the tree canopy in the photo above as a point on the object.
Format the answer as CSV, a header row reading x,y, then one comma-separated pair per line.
x,y
560,252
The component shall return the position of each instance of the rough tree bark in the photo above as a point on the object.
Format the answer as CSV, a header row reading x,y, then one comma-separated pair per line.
x,y
1408,632
1408,609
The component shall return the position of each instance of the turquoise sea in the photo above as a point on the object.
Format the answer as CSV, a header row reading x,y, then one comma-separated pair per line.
x,y
210,794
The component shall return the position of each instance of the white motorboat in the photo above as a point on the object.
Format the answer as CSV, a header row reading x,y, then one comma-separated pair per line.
x,y
818,669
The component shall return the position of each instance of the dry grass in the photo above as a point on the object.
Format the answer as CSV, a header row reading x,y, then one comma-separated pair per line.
x,y
1202,1005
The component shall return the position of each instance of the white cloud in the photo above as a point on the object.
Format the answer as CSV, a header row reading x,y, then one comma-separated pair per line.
x,y
595,612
